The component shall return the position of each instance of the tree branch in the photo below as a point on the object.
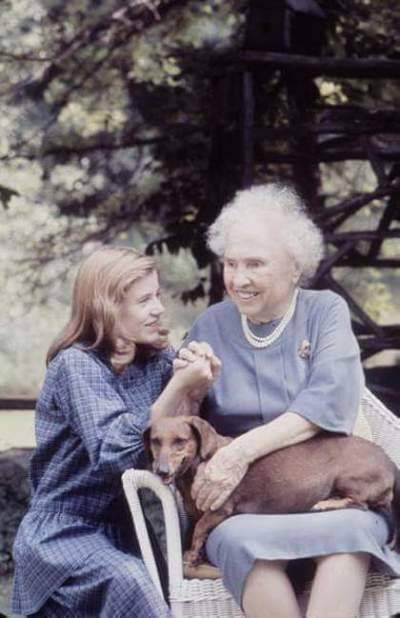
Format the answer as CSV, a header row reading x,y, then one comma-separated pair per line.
x,y
136,17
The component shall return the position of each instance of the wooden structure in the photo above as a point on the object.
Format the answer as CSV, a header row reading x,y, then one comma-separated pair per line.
x,y
14,403
245,87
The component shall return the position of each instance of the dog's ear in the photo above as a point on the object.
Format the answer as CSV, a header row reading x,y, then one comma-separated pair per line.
x,y
146,442
207,436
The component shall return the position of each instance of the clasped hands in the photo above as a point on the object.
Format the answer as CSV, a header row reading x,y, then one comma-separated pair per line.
x,y
199,367
215,481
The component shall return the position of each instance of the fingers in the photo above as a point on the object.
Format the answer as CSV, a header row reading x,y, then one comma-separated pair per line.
x,y
196,349
205,502
214,483
186,358
201,348
179,363
205,350
198,480
215,365
193,375
210,497
207,493
187,355
199,494
215,500
215,362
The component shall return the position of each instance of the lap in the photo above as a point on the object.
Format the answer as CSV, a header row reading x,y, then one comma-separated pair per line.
x,y
300,533
239,541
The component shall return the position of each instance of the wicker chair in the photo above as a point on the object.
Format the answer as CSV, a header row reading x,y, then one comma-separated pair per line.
x,y
208,597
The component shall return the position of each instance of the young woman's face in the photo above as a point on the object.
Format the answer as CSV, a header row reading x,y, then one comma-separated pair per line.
x,y
259,275
140,311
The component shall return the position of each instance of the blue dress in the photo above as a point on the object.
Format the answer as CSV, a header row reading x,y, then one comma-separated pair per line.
x,y
256,385
75,551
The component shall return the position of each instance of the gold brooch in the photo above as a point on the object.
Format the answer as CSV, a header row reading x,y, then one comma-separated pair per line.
x,y
305,349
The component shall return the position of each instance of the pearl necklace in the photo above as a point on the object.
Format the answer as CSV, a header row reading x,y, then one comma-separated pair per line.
x,y
264,342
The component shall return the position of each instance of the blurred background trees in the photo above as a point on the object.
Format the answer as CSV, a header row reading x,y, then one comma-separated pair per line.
x,y
108,118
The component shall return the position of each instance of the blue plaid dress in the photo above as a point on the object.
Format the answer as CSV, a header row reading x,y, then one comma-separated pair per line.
x,y
75,551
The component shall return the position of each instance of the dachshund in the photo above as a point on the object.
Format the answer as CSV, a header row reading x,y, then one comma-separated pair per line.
x,y
327,471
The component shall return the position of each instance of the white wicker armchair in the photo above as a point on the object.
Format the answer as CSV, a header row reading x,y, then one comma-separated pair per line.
x,y
209,598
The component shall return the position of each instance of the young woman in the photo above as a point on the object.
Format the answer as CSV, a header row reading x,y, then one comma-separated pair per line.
x,y
75,551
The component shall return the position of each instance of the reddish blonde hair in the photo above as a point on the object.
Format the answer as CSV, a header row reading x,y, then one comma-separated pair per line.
x,y
100,286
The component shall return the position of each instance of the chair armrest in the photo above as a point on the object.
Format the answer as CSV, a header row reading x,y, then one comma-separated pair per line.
x,y
132,481
385,426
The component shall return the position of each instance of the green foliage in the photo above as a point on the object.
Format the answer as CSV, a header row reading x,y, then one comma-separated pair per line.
x,y
105,115
106,108
105,125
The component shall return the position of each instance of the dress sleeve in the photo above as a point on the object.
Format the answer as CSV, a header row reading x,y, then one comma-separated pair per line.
x,y
97,413
166,358
200,331
331,397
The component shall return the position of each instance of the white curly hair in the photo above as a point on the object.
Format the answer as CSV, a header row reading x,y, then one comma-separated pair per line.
x,y
301,237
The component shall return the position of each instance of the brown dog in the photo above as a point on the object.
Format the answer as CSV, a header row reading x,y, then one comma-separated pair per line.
x,y
327,471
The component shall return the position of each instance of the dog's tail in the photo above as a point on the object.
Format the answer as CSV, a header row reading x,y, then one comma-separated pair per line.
x,y
396,510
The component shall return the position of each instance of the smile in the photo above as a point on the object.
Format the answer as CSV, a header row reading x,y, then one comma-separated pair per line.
x,y
245,295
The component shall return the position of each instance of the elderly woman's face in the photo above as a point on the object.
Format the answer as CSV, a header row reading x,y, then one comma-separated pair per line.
x,y
259,275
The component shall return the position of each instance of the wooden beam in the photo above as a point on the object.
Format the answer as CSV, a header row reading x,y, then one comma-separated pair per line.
x,y
355,128
354,203
325,155
247,129
363,235
390,331
330,262
366,262
335,67
389,214
378,344
14,403
363,317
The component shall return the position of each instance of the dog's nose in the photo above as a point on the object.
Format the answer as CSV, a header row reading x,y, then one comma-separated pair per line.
x,y
163,470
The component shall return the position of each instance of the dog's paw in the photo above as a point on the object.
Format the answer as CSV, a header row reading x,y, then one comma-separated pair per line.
x,y
191,558
204,570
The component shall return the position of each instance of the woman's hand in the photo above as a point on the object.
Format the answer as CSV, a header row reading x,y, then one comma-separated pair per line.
x,y
176,398
190,354
194,375
214,482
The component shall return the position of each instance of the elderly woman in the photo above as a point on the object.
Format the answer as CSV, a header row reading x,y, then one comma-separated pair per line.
x,y
290,369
